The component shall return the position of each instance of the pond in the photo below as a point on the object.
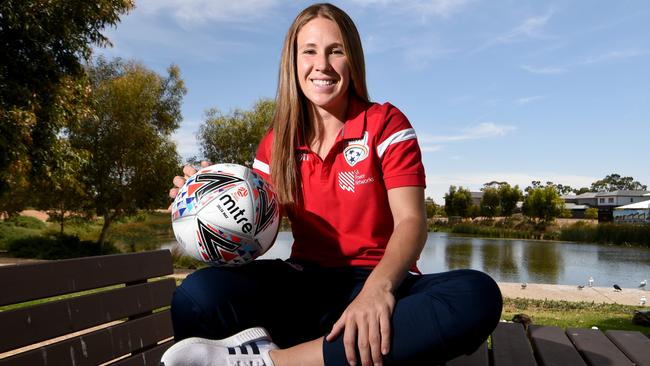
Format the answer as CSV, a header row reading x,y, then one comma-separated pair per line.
x,y
515,260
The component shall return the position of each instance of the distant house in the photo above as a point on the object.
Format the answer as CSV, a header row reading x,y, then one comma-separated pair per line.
x,y
607,201
604,201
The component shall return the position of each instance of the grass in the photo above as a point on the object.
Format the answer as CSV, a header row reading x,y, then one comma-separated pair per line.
x,y
567,314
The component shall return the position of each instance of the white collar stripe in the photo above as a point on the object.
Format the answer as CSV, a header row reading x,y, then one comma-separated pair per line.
x,y
261,166
400,136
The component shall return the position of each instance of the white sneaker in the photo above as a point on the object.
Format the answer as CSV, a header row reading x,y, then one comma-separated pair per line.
x,y
249,347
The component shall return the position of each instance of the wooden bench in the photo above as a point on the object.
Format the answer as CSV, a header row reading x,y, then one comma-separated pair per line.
x,y
128,323
553,346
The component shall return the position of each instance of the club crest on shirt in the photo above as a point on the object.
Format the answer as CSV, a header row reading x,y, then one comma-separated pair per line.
x,y
357,150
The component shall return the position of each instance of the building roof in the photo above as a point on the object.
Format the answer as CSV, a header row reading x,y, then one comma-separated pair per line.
x,y
587,195
635,206
622,193
573,206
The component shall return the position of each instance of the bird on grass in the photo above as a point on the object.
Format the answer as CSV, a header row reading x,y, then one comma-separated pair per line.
x,y
580,287
642,301
617,288
524,285
642,284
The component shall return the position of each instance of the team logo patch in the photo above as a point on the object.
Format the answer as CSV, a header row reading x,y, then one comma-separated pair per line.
x,y
357,150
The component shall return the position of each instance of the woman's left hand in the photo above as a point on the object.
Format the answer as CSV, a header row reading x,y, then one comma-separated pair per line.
x,y
365,324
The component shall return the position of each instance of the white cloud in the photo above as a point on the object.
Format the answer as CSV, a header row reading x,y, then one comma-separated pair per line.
x,y
422,8
480,131
530,28
196,12
614,56
526,100
549,70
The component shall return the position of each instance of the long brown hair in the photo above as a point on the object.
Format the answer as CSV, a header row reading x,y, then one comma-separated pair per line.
x,y
291,125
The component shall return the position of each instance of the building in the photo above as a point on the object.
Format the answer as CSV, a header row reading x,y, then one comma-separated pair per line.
x,y
634,213
607,201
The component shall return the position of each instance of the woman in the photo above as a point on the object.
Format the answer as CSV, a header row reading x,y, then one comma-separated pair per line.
x,y
349,175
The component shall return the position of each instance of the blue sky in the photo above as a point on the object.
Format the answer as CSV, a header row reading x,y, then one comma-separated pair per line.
x,y
497,90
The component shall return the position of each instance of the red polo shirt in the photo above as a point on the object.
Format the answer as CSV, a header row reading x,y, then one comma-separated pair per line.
x,y
345,218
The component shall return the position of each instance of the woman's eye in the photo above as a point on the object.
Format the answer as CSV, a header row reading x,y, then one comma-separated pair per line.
x,y
309,52
337,51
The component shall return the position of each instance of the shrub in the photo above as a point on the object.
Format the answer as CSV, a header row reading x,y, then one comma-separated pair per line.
x,y
57,247
26,222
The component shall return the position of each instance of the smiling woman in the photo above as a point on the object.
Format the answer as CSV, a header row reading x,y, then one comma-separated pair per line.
x,y
349,175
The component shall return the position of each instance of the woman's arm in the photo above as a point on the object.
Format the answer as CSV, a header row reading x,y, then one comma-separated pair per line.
x,y
366,321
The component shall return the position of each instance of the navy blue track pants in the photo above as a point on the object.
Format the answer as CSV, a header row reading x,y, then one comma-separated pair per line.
x,y
436,317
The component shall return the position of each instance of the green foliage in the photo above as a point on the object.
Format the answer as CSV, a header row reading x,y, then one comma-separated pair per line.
x,y
57,247
492,232
490,205
458,202
430,207
543,203
608,233
233,138
129,138
508,197
591,213
9,232
567,314
614,182
43,46
26,222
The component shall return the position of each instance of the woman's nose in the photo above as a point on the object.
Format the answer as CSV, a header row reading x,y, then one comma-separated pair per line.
x,y
322,62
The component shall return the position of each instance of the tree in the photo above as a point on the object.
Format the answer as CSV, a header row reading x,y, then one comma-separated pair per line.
x,y
615,182
132,159
42,47
430,207
458,201
543,203
509,196
233,138
591,213
490,204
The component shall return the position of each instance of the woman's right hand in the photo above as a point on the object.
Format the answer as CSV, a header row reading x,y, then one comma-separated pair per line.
x,y
178,181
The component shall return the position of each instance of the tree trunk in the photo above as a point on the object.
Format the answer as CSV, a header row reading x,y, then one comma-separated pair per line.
x,y
102,235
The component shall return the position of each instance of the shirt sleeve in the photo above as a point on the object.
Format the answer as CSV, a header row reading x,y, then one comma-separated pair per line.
x,y
399,151
263,157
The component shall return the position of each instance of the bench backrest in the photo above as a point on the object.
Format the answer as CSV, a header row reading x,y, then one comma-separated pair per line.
x,y
124,320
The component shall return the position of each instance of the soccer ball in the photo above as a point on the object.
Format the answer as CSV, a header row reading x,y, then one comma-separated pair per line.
x,y
225,215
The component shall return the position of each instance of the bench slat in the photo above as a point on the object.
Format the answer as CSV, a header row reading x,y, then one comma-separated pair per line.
x,y
552,347
510,346
596,349
476,358
148,358
39,280
634,344
53,319
100,346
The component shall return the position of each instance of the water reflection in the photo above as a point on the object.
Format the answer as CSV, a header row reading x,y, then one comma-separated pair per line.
x,y
543,261
523,260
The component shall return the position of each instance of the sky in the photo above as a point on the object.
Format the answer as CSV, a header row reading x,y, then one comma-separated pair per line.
x,y
497,90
